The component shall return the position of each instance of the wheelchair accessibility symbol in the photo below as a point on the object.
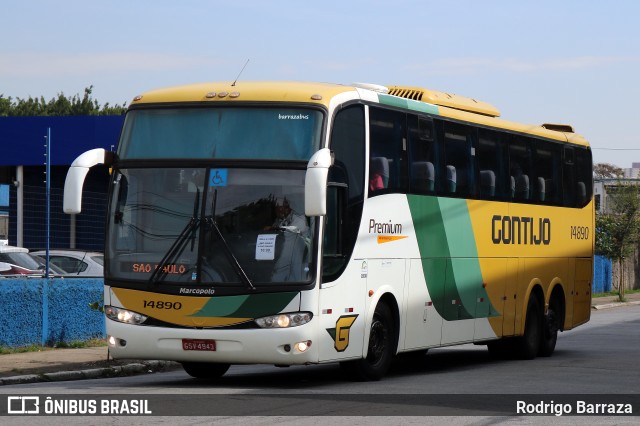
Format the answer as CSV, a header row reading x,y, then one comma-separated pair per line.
x,y
218,177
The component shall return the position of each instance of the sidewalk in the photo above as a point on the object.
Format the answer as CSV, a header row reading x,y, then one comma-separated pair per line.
x,y
86,363
71,364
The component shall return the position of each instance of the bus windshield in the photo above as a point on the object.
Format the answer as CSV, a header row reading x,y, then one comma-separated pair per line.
x,y
289,133
210,226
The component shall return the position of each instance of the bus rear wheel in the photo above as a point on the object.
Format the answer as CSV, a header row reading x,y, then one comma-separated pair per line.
x,y
205,370
528,345
381,348
551,325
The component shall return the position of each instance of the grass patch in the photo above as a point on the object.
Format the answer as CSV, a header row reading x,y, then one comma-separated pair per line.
x,y
615,293
92,343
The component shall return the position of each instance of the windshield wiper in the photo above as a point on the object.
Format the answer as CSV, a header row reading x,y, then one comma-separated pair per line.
x,y
177,247
233,260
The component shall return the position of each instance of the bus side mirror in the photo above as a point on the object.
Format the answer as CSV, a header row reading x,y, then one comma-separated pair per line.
x,y
72,202
315,183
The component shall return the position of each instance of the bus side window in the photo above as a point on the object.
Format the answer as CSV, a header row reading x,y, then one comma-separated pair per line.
x,y
547,172
345,192
584,184
569,178
520,168
492,163
424,153
387,161
459,156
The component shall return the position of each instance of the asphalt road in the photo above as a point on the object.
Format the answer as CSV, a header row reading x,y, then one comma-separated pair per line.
x,y
599,358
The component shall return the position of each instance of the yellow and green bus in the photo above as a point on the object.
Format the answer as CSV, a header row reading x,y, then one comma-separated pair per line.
x,y
305,223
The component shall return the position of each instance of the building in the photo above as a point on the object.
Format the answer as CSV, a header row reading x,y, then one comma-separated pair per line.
x,y
633,172
22,179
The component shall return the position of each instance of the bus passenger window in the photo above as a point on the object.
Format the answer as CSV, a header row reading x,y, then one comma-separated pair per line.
x,y
387,161
424,152
492,162
520,169
583,176
459,153
547,171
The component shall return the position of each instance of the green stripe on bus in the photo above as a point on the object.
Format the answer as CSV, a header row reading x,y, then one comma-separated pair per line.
x,y
246,306
407,104
449,256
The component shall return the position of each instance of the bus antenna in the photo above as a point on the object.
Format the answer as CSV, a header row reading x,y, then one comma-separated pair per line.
x,y
234,81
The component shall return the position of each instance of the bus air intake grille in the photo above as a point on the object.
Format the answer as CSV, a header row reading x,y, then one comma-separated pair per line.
x,y
415,95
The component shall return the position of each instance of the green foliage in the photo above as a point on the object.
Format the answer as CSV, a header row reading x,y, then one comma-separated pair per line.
x,y
618,231
96,306
59,106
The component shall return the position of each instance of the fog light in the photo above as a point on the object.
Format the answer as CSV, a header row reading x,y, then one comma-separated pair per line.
x,y
111,341
302,346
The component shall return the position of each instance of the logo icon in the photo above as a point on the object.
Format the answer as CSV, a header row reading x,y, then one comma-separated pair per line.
x,y
340,334
23,405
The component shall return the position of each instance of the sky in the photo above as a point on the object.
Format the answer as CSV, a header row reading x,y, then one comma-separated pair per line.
x,y
545,61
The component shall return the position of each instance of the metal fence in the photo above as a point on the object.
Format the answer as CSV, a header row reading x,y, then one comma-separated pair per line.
x,y
84,231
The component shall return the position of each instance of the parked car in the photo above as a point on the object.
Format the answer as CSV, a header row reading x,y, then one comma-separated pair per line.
x,y
75,262
18,261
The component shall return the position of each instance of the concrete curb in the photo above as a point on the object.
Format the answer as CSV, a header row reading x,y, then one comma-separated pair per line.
x,y
94,373
615,305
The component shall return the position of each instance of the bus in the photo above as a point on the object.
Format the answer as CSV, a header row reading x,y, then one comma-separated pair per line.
x,y
293,223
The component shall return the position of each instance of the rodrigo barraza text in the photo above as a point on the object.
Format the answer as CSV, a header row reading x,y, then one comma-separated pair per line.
x,y
579,407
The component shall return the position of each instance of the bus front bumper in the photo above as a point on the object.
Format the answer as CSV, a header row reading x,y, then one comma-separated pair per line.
x,y
284,346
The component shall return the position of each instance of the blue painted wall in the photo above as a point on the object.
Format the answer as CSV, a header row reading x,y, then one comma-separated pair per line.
x,y
40,311
601,274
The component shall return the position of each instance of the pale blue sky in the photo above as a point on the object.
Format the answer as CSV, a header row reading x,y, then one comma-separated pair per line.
x,y
573,61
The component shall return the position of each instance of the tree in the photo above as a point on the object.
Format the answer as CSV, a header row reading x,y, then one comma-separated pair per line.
x,y
618,231
607,171
58,106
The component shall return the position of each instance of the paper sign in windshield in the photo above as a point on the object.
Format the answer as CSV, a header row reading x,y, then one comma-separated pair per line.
x,y
266,247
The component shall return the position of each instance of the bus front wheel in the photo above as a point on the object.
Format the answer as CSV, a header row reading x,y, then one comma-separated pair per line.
x,y
205,370
381,347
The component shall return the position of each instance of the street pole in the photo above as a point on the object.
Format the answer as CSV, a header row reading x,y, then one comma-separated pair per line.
x,y
48,195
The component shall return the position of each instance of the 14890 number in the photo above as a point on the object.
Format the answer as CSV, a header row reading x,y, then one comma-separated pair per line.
x,y
161,304
579,233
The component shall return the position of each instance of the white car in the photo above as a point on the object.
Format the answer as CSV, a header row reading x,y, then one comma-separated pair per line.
x,y
75,262
17,261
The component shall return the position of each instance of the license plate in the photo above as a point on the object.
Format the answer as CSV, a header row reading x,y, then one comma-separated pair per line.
x,y
198,345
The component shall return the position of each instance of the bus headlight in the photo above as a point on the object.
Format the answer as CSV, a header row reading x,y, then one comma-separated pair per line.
x,y
123,315
284,320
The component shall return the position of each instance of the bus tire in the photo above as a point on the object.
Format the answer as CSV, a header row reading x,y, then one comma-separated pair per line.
x,y
382,346
205,370
550,327
528,345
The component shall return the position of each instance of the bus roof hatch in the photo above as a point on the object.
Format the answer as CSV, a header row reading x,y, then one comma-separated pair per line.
x,y
445,99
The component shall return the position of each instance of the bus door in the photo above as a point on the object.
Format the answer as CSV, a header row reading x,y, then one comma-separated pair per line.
x,y
342,314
